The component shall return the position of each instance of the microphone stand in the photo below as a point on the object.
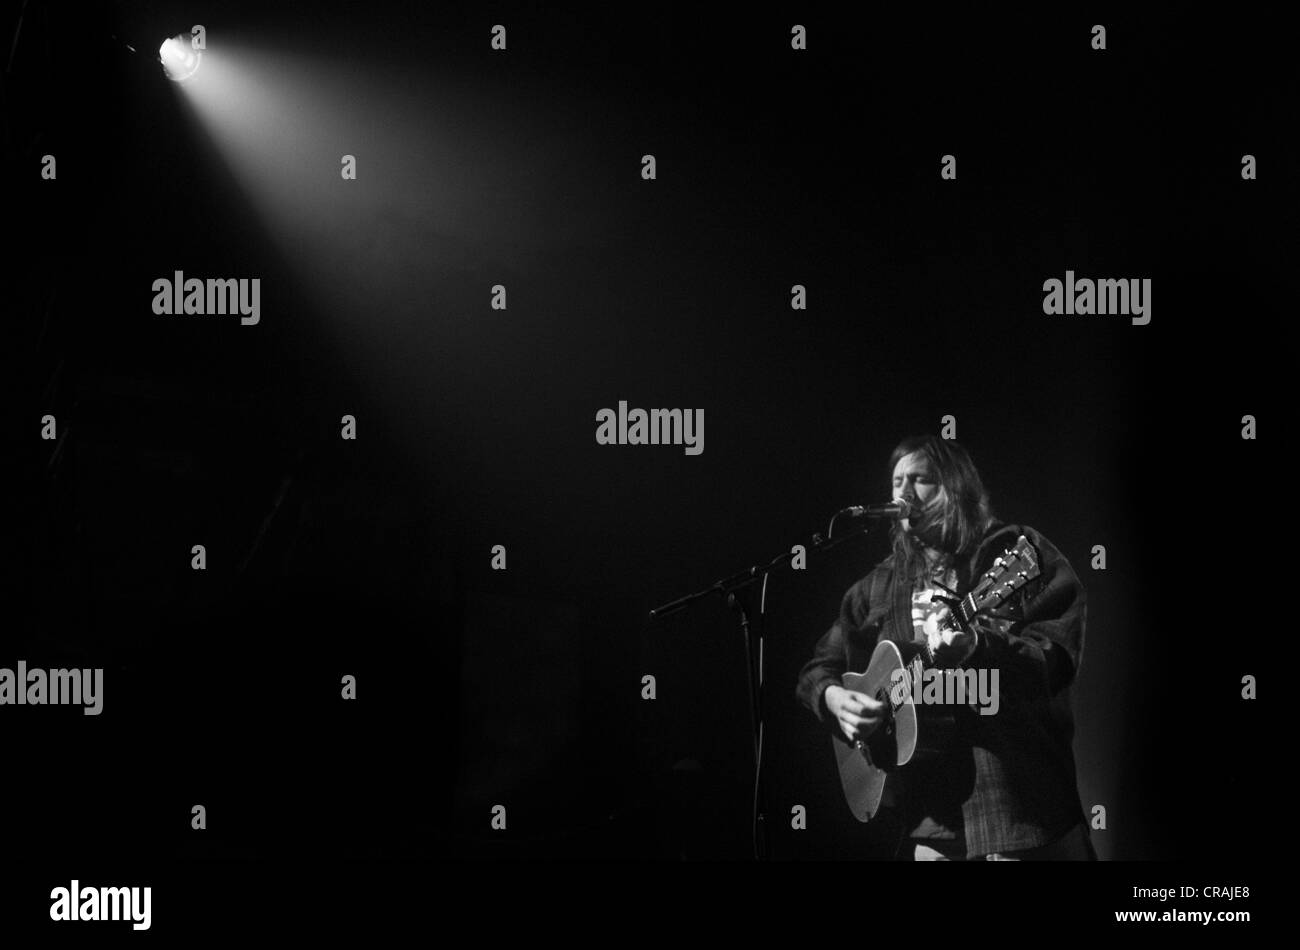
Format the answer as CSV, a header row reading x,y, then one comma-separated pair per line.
x,y
728,587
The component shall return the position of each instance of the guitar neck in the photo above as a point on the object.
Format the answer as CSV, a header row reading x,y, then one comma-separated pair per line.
x,y
1014,568
966,609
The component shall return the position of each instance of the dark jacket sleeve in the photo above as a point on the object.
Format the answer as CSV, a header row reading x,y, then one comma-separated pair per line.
x,y
1039,651
830,657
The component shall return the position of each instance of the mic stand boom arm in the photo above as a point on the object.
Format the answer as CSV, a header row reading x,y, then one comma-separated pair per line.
x,y
728,585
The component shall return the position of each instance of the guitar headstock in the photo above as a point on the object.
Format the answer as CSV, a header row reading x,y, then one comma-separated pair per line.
x,y
1012,570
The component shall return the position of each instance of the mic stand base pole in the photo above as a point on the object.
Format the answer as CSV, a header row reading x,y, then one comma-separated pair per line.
x,y
754,682
753,672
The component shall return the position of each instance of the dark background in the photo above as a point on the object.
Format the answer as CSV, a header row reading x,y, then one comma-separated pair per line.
x,y
522,687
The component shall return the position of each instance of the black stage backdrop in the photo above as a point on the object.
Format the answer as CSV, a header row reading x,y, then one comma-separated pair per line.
x,y
372,557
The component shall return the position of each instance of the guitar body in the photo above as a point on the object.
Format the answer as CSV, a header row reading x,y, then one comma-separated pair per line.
x,y
909,731
864,765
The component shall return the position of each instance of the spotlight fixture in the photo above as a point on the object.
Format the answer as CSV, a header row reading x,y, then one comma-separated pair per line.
x,y
179,59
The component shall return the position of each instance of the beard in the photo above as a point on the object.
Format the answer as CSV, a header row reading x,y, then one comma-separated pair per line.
x,y
927,527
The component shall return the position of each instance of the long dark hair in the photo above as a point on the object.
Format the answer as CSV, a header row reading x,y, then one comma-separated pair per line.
x,y
956,518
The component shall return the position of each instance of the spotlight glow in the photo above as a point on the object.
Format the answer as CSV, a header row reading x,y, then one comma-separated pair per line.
x,y
179,60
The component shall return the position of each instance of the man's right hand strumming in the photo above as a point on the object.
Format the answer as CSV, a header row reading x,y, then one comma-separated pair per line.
x,y
857,713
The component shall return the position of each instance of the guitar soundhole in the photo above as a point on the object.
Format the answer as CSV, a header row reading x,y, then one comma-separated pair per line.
x,y
888,728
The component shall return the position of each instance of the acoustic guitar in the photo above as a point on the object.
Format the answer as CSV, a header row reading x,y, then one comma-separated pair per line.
x,y
913,730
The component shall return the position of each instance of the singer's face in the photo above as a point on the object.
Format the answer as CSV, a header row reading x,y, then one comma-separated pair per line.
x,y
914,482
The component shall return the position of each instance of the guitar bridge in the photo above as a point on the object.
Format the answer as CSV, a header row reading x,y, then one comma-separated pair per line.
x,y
865,750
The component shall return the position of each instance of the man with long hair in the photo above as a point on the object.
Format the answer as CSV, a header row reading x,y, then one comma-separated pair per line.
x,y
1006,789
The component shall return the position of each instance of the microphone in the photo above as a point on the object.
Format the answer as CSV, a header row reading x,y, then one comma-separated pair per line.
x,y
895,509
